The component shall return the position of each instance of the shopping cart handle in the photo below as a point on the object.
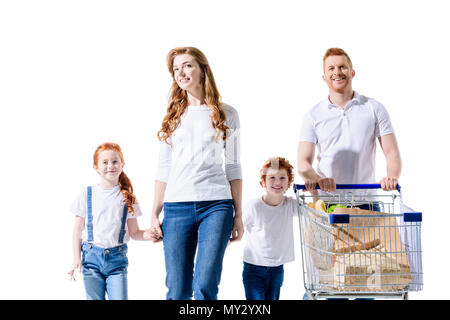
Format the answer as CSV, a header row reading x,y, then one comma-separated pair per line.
x,y
345,186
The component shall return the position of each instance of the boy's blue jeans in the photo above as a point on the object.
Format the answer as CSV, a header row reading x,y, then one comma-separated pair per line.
x,y
105,271
262,283
204,226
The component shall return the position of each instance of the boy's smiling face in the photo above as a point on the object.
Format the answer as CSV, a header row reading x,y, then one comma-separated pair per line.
x,y
276,182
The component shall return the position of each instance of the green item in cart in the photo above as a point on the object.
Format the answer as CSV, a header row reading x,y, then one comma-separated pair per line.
x,y
331,208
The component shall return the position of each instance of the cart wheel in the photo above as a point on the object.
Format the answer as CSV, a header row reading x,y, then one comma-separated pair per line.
x,y
309,296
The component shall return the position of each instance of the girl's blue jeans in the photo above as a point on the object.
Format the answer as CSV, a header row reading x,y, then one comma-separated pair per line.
x,y
189,227
262,283
105,272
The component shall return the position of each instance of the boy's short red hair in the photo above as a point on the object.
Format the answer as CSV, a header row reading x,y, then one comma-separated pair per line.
x,y
336,52
277,163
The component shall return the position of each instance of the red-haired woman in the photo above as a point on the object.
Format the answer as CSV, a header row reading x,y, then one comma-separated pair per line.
x,y
105,219
199,135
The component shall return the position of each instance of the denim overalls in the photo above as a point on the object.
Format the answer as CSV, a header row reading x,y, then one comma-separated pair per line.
x,y
104,270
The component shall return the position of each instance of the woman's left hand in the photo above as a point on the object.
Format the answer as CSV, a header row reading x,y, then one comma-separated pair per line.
x,y
238,229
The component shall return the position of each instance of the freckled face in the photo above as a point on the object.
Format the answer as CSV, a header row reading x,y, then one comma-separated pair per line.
x,y
338,73
276,182
109,165
187,72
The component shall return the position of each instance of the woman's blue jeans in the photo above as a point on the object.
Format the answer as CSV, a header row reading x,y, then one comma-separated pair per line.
x,y
262,283
202,226
105,272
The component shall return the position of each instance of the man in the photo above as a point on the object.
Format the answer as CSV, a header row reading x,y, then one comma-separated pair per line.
x,y
345,127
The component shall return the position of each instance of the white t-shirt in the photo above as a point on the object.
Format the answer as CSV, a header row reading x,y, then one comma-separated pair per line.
x,y
107,213
346,138
192,166
268,232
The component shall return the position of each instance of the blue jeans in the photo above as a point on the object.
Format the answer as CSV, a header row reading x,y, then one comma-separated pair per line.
x,y
204,226
105,271
262,283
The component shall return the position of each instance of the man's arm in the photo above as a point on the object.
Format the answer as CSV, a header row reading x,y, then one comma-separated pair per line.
x,y
305,158
391,151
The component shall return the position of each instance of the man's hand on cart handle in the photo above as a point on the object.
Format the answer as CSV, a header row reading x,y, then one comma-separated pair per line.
x,y
389,183
325,184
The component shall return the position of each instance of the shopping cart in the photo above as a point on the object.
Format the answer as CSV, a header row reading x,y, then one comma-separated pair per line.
x,y
355,253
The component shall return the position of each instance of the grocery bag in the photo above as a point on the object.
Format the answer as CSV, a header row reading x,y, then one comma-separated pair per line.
x,y
369,253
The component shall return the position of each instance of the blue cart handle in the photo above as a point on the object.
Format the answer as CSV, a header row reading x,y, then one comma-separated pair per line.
x,y
345,186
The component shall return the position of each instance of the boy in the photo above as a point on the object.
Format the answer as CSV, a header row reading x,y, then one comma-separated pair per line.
x,y
269,232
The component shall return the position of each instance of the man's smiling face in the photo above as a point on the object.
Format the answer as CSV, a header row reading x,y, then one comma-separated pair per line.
x,y
338,73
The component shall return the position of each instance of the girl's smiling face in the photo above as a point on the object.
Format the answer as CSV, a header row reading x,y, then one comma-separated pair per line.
x,y
109,166
276,182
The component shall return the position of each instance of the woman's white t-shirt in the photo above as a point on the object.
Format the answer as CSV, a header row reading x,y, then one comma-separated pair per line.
x,y
269,232
195,166
107,213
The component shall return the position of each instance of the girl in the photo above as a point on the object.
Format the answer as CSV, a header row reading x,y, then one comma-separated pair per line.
x,y
198,133
269,230
105,219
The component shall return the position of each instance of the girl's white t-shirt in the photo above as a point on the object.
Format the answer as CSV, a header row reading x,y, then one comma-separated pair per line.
x,y
269,232
107,213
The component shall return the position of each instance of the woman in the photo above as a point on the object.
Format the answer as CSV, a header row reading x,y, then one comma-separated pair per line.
x,y
198,133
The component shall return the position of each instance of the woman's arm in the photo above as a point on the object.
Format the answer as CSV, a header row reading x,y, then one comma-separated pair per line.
x,y
162,176
236,194
233,171
155,231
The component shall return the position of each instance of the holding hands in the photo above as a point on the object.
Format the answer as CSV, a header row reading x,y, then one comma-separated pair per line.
x,y
154,233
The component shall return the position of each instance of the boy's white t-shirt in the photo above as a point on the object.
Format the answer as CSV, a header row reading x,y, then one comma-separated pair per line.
x,y
107,213
269,232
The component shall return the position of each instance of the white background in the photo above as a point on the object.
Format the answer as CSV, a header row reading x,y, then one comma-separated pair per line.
x,y
75,74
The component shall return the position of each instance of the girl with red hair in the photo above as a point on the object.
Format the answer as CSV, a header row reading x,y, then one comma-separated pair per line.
x,y
105,219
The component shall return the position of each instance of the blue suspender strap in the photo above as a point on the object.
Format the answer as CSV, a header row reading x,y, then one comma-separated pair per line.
x,y
124,221
89,214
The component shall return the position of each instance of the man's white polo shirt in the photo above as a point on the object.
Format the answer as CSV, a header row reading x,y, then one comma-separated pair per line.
x,y
346,138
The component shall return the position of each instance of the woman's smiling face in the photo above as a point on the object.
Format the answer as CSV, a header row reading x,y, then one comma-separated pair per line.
x,y
187,72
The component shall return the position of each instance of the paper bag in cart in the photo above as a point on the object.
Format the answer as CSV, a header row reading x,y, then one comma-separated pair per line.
x,y
368,253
